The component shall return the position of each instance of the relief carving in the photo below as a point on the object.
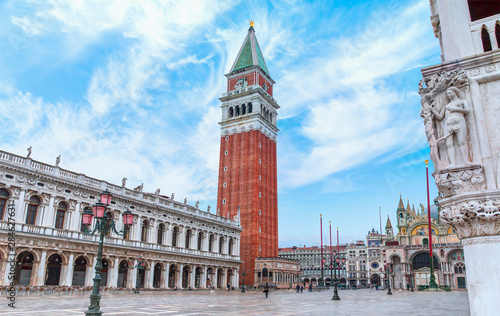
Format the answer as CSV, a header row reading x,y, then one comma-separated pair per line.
x,y
460,181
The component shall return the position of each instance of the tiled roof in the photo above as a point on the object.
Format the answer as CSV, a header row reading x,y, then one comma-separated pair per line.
x,y
250,54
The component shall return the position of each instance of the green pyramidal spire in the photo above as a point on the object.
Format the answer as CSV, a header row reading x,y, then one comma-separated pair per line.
x,y
250,53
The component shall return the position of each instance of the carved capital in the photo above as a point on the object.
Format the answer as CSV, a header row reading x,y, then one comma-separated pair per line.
x,y
461,180
473,218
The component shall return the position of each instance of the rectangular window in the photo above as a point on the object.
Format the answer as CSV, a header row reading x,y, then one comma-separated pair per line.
x,y
31,215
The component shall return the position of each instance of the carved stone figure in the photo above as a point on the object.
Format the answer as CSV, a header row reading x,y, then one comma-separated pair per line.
x,y
157,193
172,196
29,152
454,125
208,209
58,160
124,182
185,200
197,204
139,188
241,83
430,131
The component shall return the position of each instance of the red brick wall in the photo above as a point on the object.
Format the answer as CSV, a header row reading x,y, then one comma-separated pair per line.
x,y
243,187
263,80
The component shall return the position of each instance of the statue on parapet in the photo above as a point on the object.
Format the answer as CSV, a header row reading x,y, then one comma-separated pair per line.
x,y
30,149
58,160
124,182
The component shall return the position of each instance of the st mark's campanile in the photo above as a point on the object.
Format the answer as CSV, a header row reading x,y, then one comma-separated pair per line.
x,y
247,168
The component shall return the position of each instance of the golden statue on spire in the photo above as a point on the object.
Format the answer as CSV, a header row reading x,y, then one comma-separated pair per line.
x,y
252,23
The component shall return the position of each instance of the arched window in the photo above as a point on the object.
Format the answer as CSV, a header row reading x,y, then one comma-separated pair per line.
x,y
249,107
221,244
144,232
175,232
159,238
61,211
32,210
230,249
4,196
497,33
210,242
425,241
243,109
188,238
459,268
485,37
231,112
423,260
237,111
200,239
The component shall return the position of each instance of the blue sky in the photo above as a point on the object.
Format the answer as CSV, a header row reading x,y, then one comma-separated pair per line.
x,y
130,89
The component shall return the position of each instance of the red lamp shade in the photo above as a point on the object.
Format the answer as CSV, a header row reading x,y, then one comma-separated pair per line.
x,y
99,209
87,217
128,218
106,197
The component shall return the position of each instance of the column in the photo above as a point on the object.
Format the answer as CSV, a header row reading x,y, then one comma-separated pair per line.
x,y
203,277
192,273
215,278
69,270
75,218
167,269
149,281
237,278
48,213
179,276
20,207
132,281
493,37
163,277
137,229
113,282
41,269
90,272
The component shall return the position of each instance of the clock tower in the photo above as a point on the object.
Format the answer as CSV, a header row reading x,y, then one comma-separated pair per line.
x,y
247,185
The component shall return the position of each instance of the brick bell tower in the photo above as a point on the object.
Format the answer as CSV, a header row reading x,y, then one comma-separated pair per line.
x,y
247,170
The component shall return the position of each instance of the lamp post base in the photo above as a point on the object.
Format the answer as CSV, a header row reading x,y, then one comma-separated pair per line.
x,y
336,298
94,308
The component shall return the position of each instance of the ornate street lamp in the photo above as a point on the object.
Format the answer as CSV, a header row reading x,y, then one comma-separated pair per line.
x,y
388,271
103,225
243,273
141,265
337,259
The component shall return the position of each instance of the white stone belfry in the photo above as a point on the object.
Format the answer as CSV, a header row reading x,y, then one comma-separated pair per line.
x,y
461,112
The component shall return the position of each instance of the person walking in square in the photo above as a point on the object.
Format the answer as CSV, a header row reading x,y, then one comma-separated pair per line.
x,y
297,288
301,288
266,289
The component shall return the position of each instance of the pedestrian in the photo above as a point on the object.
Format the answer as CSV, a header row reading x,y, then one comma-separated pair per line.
x,y
266,289
310,287
408,284
301,288
376,286
298,288
228,286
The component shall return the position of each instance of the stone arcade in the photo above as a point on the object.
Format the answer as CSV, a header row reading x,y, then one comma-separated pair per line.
x,y
183,246
461,111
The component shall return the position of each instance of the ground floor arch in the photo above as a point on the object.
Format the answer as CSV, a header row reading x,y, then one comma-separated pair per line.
x,y
53,273
197,277
122,274
172,280
157,275
220,278
79,271
24,268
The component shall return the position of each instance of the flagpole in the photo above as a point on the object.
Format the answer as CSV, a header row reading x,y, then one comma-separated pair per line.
x,y
331,253
432,281
321,230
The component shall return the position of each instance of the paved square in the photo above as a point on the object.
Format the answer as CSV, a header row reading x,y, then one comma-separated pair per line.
x,y
358,302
